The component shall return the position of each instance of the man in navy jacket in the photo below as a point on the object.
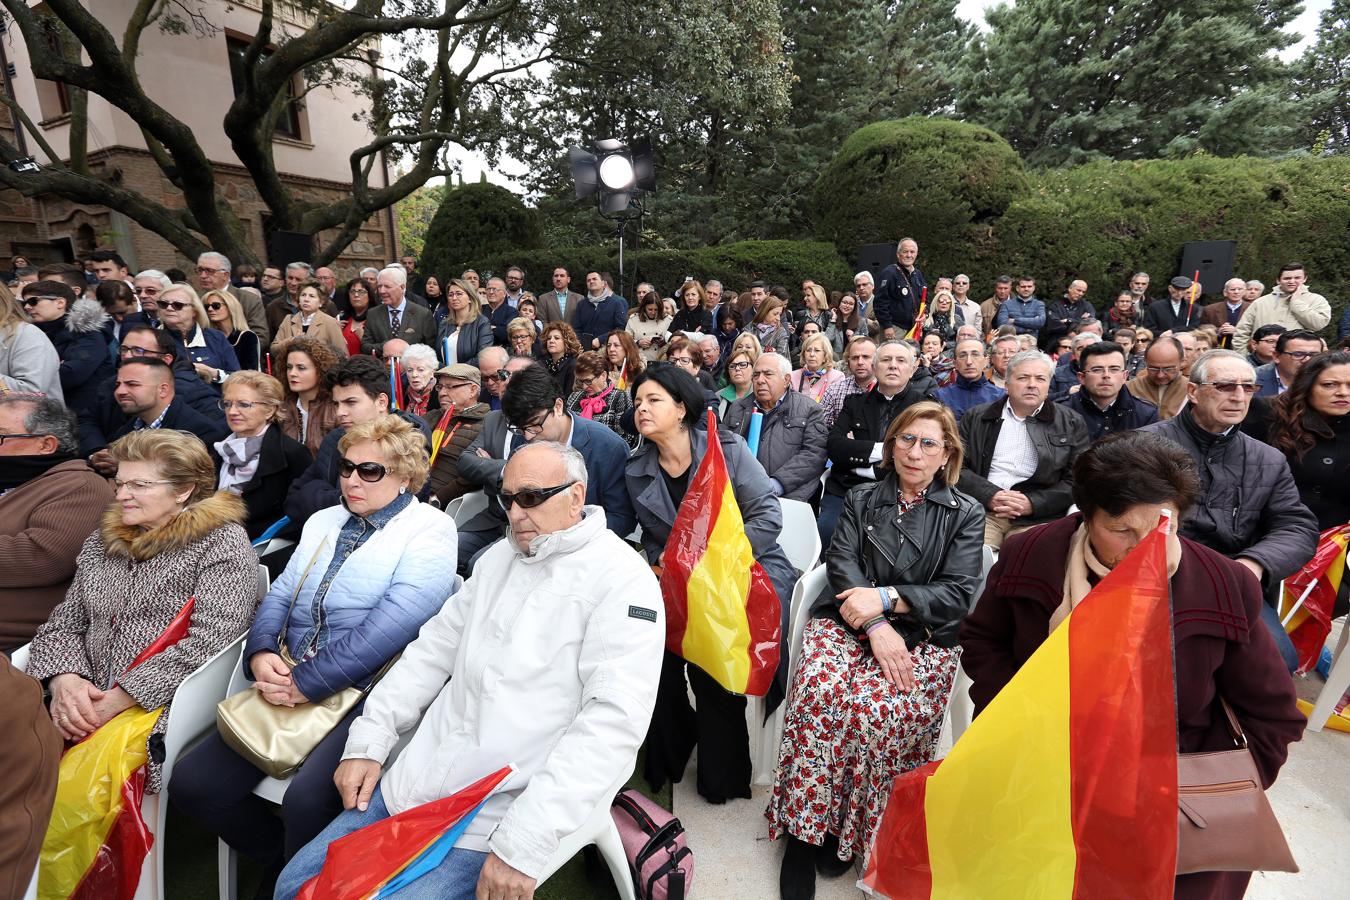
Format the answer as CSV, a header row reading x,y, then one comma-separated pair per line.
x,y
600,312
899,291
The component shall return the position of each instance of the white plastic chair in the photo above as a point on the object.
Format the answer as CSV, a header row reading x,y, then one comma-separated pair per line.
x,y
452,508
960,709
800,538
20,658
1338,681
601,831
470,505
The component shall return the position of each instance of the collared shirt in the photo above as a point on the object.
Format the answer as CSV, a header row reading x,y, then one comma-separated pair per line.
x,y
833,401
562,302
159,421
1014,453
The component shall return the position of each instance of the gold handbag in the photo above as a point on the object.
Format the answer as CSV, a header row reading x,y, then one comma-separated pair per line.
x,y
278,739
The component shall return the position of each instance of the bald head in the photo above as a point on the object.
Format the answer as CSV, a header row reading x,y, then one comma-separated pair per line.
x,y
538,468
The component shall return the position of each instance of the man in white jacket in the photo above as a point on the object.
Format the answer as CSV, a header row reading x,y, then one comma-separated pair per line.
x,y
548,659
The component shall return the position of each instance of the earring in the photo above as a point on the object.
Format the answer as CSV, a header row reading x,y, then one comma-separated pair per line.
x,y
403,490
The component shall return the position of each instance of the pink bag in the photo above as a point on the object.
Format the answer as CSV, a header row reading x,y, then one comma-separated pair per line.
x,y
659,858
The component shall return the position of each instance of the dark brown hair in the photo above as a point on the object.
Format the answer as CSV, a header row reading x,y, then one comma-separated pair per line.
x,y
1160,471
1295,426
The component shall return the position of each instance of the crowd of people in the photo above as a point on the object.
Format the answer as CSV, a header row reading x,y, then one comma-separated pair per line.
x,y
153,427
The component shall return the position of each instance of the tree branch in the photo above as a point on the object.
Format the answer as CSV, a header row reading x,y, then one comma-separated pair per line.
x,y
34,132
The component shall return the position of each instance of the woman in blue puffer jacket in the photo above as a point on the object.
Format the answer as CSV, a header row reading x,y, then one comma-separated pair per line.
x,y
364,578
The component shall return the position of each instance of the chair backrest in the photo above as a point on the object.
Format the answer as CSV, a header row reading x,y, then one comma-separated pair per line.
x,y
800,538
804,594
470,505
20,658
987,559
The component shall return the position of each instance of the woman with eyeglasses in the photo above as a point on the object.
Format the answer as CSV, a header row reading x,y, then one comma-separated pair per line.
x,y
464,331
364,578
880,652
597,397
360,294
226,315
522,336
312,322
670,414
307,412
75,329
561,347
739,374
181,314
258,462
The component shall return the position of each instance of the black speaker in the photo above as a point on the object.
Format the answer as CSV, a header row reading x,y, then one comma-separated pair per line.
x,y
874,258
285,247
1214,260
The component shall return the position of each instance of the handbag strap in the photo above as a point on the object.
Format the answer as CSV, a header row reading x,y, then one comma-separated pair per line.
x,y
1234,727
295,594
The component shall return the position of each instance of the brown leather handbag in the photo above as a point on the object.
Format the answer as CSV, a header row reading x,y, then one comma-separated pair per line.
x,y
1224,821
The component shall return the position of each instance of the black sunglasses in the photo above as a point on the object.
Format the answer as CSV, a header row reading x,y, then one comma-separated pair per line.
x,y
215,306
367,471
530,497
174,305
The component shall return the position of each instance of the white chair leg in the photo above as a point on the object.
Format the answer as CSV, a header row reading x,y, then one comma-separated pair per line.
x,y
961,710
227,868
1338,681
611,849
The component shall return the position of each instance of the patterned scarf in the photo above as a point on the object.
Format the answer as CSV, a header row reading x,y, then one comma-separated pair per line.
x,y
239,457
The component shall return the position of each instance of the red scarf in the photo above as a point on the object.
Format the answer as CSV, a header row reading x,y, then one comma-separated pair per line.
x,y
597,404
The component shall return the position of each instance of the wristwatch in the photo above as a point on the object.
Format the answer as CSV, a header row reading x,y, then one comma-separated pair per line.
x,y
895,597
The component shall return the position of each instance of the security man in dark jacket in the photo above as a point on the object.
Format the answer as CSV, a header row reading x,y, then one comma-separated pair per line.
x,y
1068,311
1101,398
899,290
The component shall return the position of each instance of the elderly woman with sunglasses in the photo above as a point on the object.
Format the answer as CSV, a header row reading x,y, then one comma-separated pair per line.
x,y
364,578
181,314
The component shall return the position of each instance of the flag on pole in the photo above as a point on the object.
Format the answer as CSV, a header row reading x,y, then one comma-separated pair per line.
x,y
722,612
1310,594
622,382
386,856
915,332
97,840
395,385
1066,785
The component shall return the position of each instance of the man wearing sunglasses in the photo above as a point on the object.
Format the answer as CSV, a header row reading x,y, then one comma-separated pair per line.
x,y
532,410
1293,349
1249,507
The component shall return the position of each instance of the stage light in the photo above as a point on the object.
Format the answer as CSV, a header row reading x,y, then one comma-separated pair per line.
x,y
615,171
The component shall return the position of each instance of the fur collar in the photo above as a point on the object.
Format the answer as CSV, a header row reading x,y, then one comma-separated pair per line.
x,y
86,315
192,524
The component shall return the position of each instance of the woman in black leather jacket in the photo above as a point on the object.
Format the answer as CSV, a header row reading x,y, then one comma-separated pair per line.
x,y
879,655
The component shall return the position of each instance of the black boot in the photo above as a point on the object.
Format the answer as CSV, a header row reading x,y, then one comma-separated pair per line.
x,y
828,862
797,877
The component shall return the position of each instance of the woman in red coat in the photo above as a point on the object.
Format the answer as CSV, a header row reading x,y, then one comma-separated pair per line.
x,y
1221,647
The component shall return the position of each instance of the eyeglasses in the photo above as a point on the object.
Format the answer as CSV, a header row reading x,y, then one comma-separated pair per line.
x,y
1230,387
15,437
1163,370
174,305
1300,354
213,307
125,350
929,446
242,405
1105,370
369,472
30,302
530,497
137,486
682,361
206,270
147,291
501,375
532,430
738,366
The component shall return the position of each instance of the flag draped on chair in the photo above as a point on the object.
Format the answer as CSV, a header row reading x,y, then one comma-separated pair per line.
x,y
722,613
1310,594
388,855
1066,785
97,840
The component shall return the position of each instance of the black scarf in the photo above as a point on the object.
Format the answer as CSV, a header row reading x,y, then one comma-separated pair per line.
x,y
19,470
1205,440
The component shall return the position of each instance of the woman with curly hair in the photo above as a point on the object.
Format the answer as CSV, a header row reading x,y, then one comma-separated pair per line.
x,y
623,357
308,413
561,349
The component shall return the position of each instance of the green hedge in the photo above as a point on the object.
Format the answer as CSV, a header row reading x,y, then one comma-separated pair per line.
x,y
788,263
475,221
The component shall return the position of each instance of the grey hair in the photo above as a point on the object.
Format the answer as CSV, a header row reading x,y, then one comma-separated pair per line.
x,y
1256,284
370,269
1090,323
1003,339
784,364
1086,339
864,274
213,256
420,353
396,272
1200,368
908,348
572,460
156,274
47,416
300,265
1027,356
710,282
494,350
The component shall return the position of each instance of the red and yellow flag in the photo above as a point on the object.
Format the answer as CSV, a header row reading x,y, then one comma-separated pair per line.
x,y
1066,785
915,332
1310,595
97,839
722,613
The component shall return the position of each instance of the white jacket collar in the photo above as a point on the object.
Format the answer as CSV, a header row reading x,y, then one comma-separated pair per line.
x,y
578,536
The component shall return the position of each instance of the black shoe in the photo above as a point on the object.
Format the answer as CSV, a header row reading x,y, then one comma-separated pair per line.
x,y
268,886
797,877
828,862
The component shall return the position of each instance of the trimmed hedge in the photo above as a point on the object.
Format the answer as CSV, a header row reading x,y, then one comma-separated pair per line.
x,y
788,263
475,221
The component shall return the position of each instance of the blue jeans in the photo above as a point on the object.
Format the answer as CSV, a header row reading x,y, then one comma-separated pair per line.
x,y
831,507
454,879
1270,617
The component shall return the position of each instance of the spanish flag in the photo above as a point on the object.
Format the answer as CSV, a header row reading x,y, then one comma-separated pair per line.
x,y
722,613
387,856
97,840
441,432
915,332
622,382
1066,785
1308,596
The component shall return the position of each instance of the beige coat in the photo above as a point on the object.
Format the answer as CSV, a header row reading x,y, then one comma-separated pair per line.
x,y
1169,400
1303,309
323,328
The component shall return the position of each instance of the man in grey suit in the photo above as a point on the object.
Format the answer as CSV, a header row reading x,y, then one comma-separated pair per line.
x,y
213,274
559,304
396,317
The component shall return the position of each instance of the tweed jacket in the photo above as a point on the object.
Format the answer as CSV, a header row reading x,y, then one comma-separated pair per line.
x,y
323,328
128,587
446,484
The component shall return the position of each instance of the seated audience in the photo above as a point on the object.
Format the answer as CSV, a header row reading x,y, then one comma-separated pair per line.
x,y
1003,348
359,292
257,461
182,315
1161,383
465,331
75,328
30,756
169,538
623,358
1249,507
226,315
936,359
972,386
768,327
309,412
419,377
310,321
546,631
670,417
365,576
792,435
492,367
740,380
817,372
649,329
1066,379
560,351
1102,400
50,501
693,315
1293,349
28,361
1019,451
683,353
533,410
880,652
1221,652
944,317
855,441
857,359
145,391
598,398
454,426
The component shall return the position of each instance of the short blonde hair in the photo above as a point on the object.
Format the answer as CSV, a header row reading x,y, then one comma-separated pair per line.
x,y
191,294
403,446
267,389
824,343
519,324
951,436
746,337
238,320
180,457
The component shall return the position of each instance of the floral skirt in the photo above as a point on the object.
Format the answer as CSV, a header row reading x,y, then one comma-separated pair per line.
x,y
848,733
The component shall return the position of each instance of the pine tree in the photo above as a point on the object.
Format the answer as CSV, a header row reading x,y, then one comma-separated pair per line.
x,y
1324,81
